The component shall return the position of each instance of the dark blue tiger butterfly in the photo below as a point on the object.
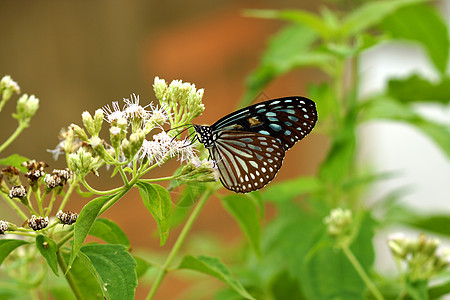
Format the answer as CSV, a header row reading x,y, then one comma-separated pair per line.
x,y
248,145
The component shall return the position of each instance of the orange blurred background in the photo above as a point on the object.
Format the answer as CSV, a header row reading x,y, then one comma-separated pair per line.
x,y
81,55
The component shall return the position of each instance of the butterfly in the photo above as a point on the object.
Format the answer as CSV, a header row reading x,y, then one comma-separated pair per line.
x,y
249,144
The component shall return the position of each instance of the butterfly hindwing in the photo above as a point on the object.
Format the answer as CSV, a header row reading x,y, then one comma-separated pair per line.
x,y
249,144
246,161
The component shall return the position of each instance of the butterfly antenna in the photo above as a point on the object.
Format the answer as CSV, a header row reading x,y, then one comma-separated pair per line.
x,y
191,141
179,133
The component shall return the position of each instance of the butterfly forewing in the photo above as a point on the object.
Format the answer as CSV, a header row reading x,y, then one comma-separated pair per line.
x,y
246,161
288,119
248,145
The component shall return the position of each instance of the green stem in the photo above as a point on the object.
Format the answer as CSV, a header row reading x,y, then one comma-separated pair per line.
x,y
158,179
179,242
68,193
49,208
354,261
94,191
15,207
69,277
13,136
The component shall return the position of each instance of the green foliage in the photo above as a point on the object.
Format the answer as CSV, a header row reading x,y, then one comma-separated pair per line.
x,y
158,202
110,232
7,246
14,160
47,247
113,267
214,267
318,241
244,210
84,223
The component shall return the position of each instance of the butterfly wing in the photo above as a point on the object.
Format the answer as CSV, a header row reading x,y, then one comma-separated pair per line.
x,y
287,119
246,161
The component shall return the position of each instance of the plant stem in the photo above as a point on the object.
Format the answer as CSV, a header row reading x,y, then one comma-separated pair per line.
x,y
68,275
13,136
15,207
354,261
179,242
68,193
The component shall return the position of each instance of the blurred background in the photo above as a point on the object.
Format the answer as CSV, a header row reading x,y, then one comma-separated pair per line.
x,y
82,55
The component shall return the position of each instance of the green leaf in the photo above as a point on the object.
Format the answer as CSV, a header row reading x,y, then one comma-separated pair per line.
x,y
141,266
7,246
329,274
85,222
283,286
423,24
244,210
437,291
110,232
47,247
301,17
437,223
371,14
113,267
214,267
189,196
340,157
15,160
85,282
289,189
288,49
158,202
384,107
418,89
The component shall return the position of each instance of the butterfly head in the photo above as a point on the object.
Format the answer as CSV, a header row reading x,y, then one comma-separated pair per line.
x,y
205,135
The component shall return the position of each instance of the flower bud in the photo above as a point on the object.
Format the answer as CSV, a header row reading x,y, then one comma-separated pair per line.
x,y
136,140
98,121
3,227
37,223
11,173
160,88
82,162
88,122
18,191
8,87
338,222
126,149
78,131
115,136
67,217
26,107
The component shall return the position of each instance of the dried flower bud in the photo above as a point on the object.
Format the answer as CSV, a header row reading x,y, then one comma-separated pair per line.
x,y
17,191
37,223
52,181
67,217
11,173
3,227
34,175
35,165
58,178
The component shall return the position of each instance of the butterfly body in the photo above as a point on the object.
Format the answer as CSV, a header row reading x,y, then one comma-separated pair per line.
x,y
249,144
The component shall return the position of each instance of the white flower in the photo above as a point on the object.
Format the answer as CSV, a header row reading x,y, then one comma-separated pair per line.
x,y
114,114
132,108
164,147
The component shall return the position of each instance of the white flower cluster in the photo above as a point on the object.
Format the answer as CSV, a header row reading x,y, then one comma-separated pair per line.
x,y
164,147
